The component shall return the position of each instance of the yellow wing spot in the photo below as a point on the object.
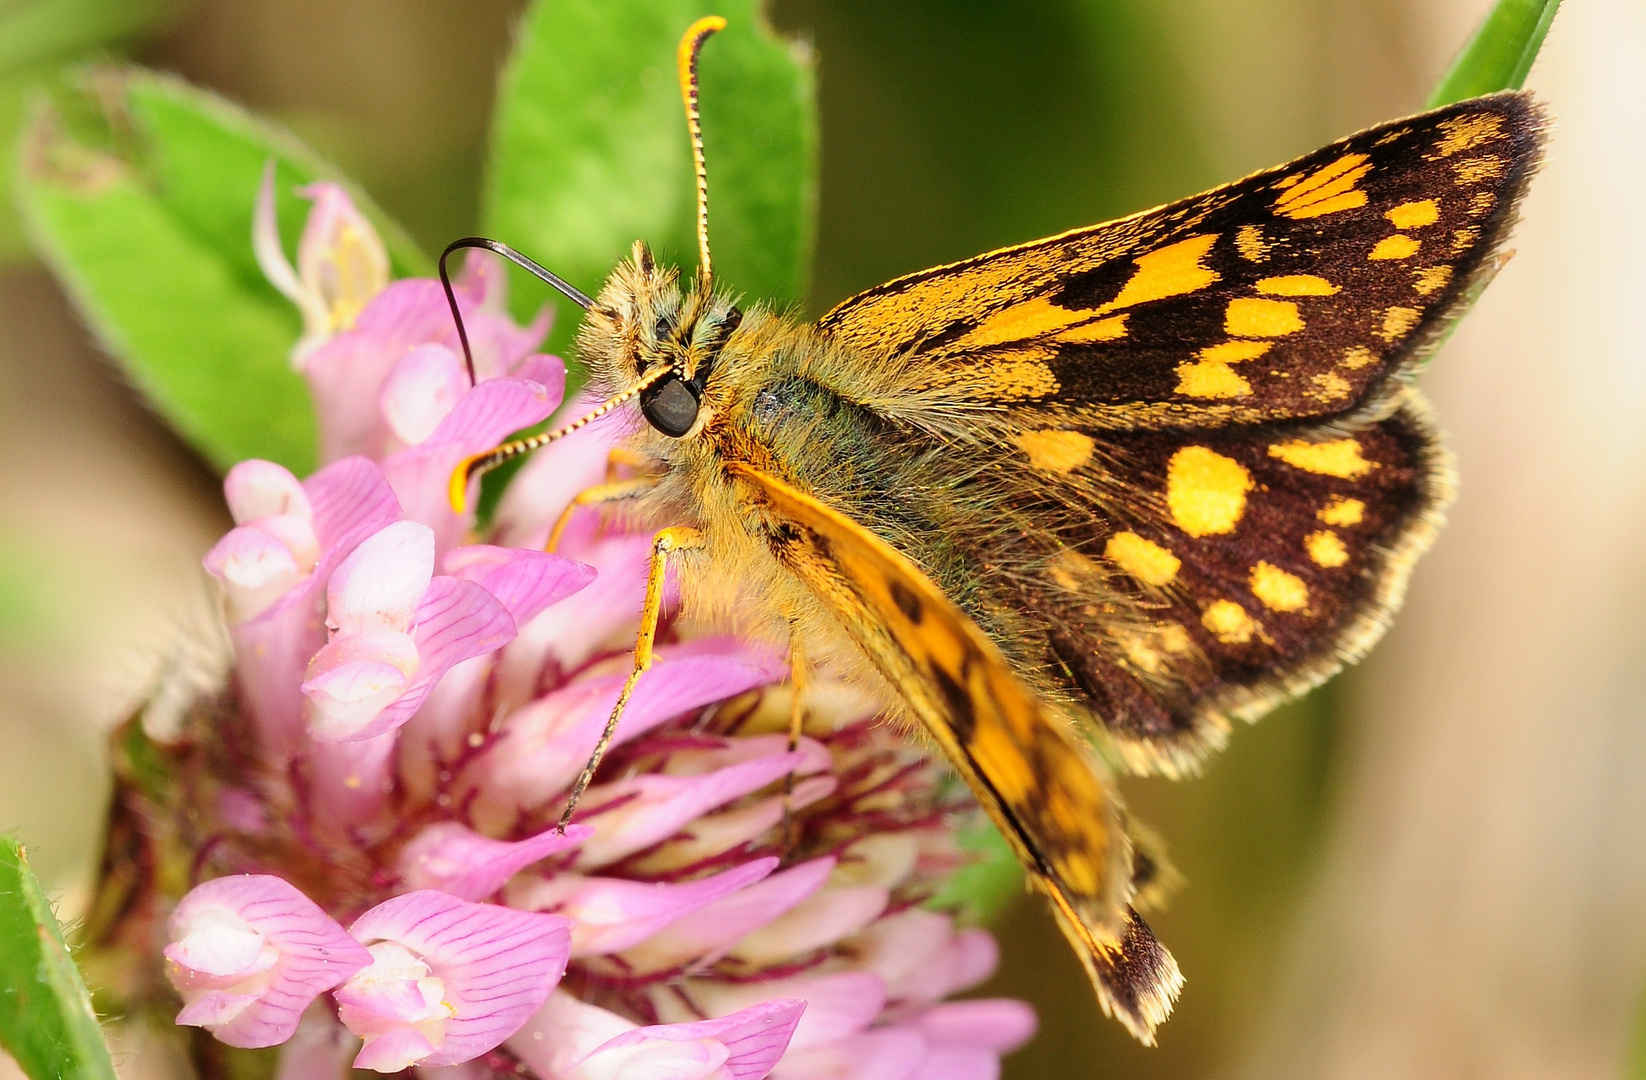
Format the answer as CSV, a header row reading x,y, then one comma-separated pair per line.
x,y
1250,243
1207,379
1277,590
1056,451
1327,190
1390,136
1463,239
1073,571
1022,322
1431,279
1205,491
1398,321
1228,622
1144,649
1111,329
1356,357
1414,215
1342,512
1287,181
1170,271
1249,317
1142,558
1481,202
1329,387
1340,457
1398,246
1477,170
1460,133
1212,377
1297,285
1326,549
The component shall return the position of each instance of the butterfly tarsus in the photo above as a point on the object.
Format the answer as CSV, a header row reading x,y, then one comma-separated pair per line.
x,y
799,676
667,542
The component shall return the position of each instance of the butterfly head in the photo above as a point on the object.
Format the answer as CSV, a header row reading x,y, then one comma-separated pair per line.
x,y
644,328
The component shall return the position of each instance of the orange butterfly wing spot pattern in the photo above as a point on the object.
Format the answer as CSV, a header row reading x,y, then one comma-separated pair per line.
x,y
1293,293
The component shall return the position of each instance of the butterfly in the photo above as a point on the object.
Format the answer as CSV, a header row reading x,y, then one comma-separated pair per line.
x,y
1075,506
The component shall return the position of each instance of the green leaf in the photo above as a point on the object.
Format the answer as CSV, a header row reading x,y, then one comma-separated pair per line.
x,y
34,30
46,1019
589,148
138,192
1500,54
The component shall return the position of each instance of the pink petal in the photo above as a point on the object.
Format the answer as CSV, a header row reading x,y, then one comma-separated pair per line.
x,y
271,256
379,586
544,746
711,932
453,859
346,696
609,914
394,1051
648,808
899,947
885,1054
481,419
525,581
837,1006
350,782
563,1032
715,834
547,371
321,1048
818,921
754,1038
420,390
256,570
603,618
347,495
958,1063
257,489
966,960
999,1025
314,953
340,257
498,964
436,733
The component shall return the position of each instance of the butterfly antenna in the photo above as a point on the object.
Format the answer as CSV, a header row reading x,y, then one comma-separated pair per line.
x,y
690,46
560,285
457,488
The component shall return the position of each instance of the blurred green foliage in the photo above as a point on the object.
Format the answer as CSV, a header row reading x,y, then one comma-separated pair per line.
x,y
46,1018
589,151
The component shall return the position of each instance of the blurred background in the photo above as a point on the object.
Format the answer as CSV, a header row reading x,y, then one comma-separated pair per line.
x,y
1436,867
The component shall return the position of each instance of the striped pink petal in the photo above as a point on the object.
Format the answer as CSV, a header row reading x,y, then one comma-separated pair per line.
x,y
495,966
708,934
249,953
838,1005
632,814
449,857
420,390
609,914
481,419
524,581
553,476
999,1025
742,1046
543,746
882,1054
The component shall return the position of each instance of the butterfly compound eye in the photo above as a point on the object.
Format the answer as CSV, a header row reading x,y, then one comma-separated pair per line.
x,y
670,406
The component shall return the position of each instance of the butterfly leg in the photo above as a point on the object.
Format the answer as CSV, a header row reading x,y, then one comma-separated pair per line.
x,y
665,543
622,456
615,491
799,675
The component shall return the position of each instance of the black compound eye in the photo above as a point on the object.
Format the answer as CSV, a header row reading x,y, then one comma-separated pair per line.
x,y
670,406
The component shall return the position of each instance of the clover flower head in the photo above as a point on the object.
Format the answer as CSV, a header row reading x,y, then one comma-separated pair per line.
x,y
412,698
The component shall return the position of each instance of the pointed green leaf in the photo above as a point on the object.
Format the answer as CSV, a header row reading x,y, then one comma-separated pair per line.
x,y
46,1018
1500,54
139,196
589,148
